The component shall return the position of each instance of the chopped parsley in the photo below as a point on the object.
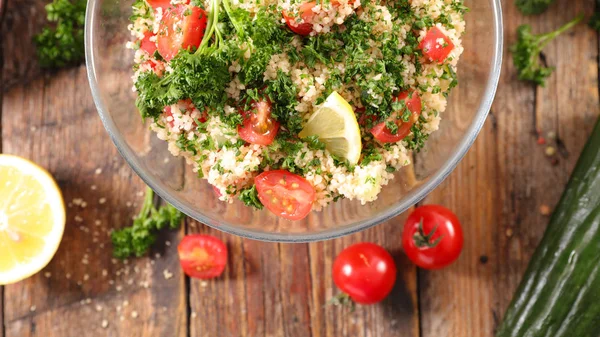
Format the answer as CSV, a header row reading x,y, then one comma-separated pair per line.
x,y
249,196
62,43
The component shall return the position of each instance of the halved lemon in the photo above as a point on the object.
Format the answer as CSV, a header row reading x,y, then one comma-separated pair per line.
x,y
335,124
32,218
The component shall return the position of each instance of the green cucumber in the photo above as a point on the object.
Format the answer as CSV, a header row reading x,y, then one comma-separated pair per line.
x,y
559,295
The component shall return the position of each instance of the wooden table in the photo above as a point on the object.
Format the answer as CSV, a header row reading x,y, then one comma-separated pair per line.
x,y
281,289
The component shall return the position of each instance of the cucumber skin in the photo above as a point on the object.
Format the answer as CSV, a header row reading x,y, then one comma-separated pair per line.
x,y
559,295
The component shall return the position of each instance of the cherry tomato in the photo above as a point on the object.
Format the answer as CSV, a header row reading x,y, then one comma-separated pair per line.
x,y
164,4
147,45
202,256
436,46
432,237
287,195
365,271
301,23
182,27
413,102
185,106
258,126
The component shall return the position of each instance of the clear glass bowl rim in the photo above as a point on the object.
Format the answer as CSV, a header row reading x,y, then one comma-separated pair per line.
x,y
463,146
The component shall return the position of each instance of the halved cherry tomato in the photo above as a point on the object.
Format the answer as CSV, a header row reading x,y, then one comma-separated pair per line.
x,y
436,46
186,106
202,256
285,194
182,27
147,45
365,271
164,4
413,102
432,237
258,126
301,23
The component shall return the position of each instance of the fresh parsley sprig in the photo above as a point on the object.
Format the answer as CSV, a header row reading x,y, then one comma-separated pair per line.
x,y
137,239
62,43
526,52
531,7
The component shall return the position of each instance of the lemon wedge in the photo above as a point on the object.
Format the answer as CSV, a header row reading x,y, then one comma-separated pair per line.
x,y
32,218
336,126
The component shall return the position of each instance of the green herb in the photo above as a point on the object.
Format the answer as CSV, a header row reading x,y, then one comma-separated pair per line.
x,y
417,141
283,93
370,155
62,43
595,21
530,7
249,196
526,52
392,126
314,143
137,239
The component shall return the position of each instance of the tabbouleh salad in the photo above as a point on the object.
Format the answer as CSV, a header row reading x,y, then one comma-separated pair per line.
x,y
294,104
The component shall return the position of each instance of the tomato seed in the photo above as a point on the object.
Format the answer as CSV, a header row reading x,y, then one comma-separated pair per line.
x,y
295,185
274,200
282,182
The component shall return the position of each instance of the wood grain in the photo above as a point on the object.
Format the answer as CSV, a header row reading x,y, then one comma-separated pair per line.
x,y
51,119
274,289
499,187
283,290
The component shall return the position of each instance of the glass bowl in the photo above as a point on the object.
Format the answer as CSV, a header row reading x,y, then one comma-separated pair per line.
x,y
109,71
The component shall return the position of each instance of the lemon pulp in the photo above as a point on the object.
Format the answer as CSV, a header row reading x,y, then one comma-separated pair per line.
x,y
32,218
335,124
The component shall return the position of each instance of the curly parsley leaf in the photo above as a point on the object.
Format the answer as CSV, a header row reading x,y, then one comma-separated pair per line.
x,y
61,43
137,239
526,52
249,196
595,21
530,7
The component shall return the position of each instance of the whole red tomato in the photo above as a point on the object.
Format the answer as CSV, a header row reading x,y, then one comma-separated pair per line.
x,y
365,271
432,237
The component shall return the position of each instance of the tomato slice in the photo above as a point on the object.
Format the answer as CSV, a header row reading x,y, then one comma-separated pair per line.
x,y
164,4
413,102
258,126
147,45
182,27
436,46
186,106
285,194
202,256
301,23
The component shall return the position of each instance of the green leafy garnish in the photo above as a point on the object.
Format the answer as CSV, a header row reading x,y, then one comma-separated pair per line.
x,y
137,239
595,21
526,52
530,7
249,196
62,43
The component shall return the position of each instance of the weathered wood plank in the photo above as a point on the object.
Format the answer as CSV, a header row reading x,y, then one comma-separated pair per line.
x,y
52,120
59,130
499,187
283,289
396,316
